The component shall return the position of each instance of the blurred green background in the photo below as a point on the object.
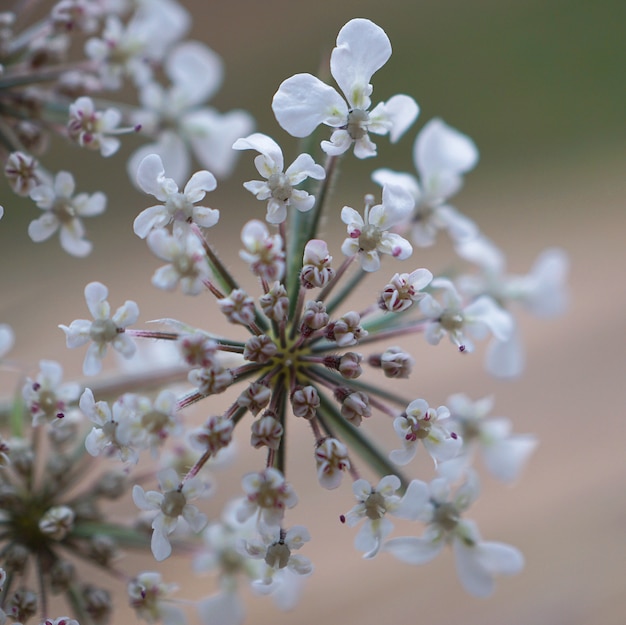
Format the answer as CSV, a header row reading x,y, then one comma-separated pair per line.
x,y
540,86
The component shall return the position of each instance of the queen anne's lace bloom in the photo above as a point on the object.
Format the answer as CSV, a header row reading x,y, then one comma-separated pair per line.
x,y
170,504
373,505
477,561
62,211
441,155
177,207
278,189
103,330
302,102
369,236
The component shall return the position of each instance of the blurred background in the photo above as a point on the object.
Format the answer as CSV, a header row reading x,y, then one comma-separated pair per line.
x,y
540,86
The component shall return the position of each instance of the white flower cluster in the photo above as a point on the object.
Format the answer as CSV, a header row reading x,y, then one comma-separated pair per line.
x,y
301,357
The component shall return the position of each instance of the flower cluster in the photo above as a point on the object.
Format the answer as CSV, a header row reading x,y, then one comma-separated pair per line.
x,y
303,350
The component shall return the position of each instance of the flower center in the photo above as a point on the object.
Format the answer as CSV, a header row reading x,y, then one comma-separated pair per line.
x,y
451,321
173,503
102,331
278,555
357,123
280,187
447,516
369,238
375,506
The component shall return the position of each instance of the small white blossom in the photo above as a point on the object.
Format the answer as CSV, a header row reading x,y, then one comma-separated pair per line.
x,y
278,189
369,236
456,320
92,129
103,436
177,118
418,423
268,494
264,252
302,102
404,290
22,172
103,330
178,207
441,156
62,211
275,548
187,261
477,561
503,452
45,397
373,505
170,504
148,596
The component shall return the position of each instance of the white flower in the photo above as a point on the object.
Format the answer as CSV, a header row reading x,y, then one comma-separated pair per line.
x,y
129,50
275,548
374,503
503,452
405,289
187,261
148,596
368,236
264,252
302,102
418,423
63,211
152,422
278,189
456,320
177,206
22,172
103,330
268,494
103,436
45,397
543,291
91,128
171,503
180,124
441,156
477,561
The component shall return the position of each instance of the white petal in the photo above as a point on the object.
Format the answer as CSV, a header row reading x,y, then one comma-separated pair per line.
x,y
198,185
441,148
72,241
362,49
154,217
406,181
92,205
126,315
160,545
505,359
92,365
506,458
304,166
402,111
212,134
174,156
43,228
150,171
196,70
303,102
413,550
267,147
205,216
95,296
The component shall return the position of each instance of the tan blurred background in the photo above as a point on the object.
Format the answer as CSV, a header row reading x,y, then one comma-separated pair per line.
x,y
539,85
